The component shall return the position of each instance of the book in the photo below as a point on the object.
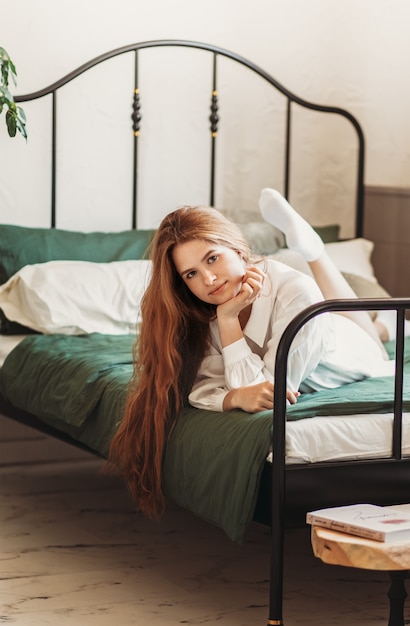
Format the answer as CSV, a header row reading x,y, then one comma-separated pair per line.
x,y
364,520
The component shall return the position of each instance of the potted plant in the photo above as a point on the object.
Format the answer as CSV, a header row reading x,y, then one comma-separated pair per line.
x,y
15,116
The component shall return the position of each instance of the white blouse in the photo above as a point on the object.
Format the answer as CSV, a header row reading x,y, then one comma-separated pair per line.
x,y
330,350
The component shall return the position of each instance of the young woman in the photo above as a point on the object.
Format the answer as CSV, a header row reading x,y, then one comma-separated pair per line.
x,y
212,318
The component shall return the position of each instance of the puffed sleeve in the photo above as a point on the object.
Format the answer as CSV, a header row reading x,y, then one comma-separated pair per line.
x,y
224,369
311,342
209,391
291,293
305,352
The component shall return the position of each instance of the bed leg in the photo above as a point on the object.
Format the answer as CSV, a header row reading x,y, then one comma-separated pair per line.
x,y
276,573
397,595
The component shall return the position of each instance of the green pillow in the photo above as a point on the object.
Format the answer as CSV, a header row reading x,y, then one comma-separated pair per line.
x,y
328,234
21,245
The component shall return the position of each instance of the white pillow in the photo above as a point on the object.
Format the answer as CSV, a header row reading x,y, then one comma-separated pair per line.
x,y
350,257
293,259
77,297
353,257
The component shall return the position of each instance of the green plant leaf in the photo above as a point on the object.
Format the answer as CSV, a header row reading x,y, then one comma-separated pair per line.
x,y
21,127
5,74
21,114
4,92
12,67
15,116
11,123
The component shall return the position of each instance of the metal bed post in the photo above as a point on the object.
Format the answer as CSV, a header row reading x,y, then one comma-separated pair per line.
x,y
214,119
54,159
278,496
136,119
398,387
360,177
287,148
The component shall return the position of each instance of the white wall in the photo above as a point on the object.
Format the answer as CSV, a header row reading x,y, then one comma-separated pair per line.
x,y
352,54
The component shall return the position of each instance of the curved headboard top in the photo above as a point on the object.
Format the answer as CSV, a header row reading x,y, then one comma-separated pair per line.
x,y
216,52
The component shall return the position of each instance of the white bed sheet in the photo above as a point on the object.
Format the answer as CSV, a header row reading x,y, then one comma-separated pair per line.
x,y
345,437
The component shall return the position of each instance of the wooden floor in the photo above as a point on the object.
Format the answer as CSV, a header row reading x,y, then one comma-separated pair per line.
x,y
74,552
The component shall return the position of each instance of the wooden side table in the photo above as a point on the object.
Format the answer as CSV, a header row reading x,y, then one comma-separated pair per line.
x,y
338,548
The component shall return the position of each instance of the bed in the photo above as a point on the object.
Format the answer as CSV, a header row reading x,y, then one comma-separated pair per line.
x,y
66,352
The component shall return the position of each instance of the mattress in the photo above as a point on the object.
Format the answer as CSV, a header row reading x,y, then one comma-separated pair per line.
x,y
343,438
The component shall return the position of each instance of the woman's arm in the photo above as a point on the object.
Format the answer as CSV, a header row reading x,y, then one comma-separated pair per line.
x,y
212,387
211,392
255,398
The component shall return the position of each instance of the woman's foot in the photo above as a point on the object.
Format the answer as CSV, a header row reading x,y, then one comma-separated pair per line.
x,y
300,236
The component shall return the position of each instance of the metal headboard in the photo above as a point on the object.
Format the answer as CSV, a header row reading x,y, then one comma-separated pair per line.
x,y
215,52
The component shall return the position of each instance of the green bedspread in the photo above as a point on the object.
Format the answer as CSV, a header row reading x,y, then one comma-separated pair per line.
x,y
213,460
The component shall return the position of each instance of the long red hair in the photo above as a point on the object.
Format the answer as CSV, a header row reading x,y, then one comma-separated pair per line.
x,y
172,342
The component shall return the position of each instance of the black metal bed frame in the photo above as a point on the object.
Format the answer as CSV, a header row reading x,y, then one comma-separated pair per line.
x,y
276,478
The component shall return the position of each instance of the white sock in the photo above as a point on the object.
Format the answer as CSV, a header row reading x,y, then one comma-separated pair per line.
x,y
388,318
300,236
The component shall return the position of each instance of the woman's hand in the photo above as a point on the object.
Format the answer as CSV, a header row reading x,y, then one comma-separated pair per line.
x,y
255,398
252,283
230,328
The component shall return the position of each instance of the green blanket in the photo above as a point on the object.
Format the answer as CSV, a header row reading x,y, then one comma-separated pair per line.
x,y
213,460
